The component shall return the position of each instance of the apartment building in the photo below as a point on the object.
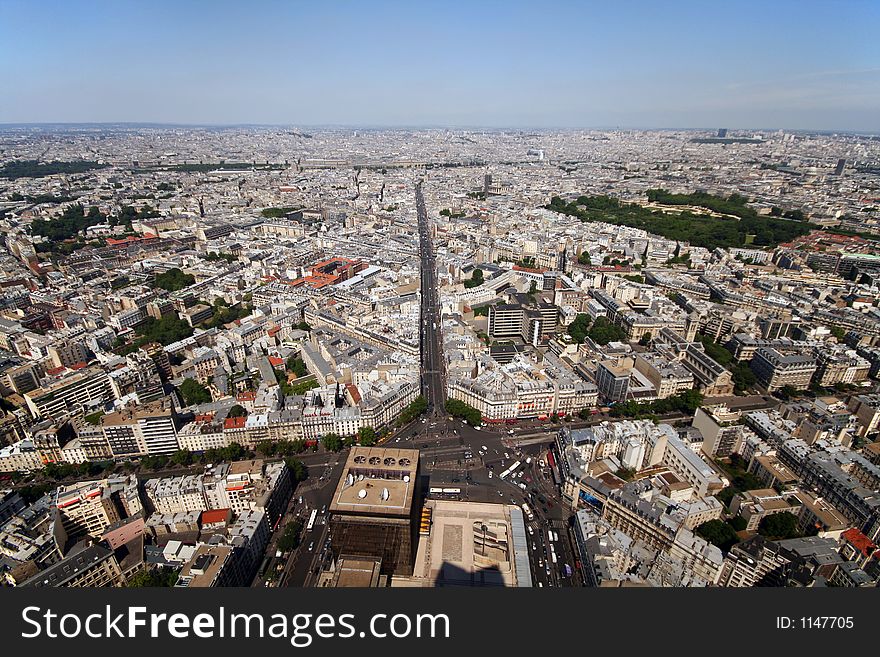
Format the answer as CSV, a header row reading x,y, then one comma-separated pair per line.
x,y
146,429
88,387
775,370
94,566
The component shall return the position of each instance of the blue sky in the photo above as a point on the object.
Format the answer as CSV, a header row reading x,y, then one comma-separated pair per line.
x,y
629,63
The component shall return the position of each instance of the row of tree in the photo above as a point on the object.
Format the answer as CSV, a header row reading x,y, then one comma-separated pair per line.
x,y
418,406
686,402
457,408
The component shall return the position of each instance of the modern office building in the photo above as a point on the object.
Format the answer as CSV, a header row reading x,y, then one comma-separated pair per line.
x,y
70,394
373,512
147,429
612,378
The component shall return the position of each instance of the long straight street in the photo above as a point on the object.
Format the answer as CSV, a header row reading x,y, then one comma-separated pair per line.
x,y
433,380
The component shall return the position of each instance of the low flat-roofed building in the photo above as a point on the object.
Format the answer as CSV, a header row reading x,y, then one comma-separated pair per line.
x,y
472,544
772,472
755,505
817,514
354,572
211,565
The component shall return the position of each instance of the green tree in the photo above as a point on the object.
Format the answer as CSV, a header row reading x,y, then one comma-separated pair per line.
x,y
332,442
778,526
290,538
787,392
738,523
469,414
298,470
367,436
743,377
700,229
602,332
475,279
578,328
296,365
237,411
645,340
153,577
165,331
584,258
182,457
718,533
194,392
174,279
418,406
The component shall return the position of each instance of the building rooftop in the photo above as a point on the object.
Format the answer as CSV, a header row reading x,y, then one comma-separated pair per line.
x,y
473,544
377,481
204,567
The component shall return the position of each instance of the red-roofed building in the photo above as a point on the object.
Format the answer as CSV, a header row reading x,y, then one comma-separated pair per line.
x,y
857,547
234,423
215,518
131,239
330,272
354,392
275,361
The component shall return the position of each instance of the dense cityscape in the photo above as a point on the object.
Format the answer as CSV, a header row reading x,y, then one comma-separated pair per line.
x,y
339,357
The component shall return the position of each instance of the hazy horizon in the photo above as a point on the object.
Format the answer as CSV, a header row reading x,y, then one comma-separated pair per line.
x,y
418,127
806,66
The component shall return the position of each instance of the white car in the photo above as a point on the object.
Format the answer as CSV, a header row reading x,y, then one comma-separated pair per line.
x,y
490,474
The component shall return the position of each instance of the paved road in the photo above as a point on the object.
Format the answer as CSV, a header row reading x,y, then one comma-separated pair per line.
x,y
452,453
433,379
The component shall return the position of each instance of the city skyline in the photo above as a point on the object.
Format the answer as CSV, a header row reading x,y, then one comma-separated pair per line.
x,y
803,66
432,296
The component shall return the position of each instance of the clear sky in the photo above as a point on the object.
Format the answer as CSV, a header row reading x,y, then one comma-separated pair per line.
x,y
676,63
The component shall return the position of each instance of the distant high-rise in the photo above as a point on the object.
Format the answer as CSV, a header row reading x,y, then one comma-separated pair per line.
x,y
841,165
487,183
722,133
